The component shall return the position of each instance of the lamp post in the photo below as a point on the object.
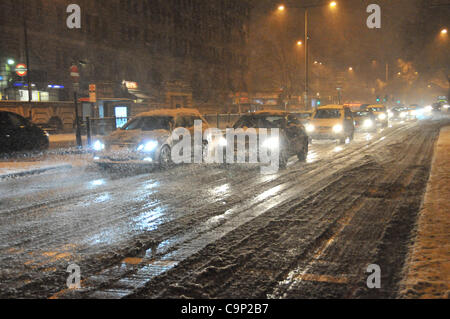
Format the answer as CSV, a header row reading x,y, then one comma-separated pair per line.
x,y
332,4
27,55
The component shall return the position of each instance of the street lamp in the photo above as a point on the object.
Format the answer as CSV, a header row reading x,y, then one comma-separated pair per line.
x,y
299,43
11,62
444,31
332,4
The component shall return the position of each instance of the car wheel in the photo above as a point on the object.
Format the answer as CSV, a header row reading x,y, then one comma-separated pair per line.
x,y
303,155
283,159
165,157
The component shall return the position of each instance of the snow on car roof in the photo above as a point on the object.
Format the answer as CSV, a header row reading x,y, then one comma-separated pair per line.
x,y
270,112
170,112
331,106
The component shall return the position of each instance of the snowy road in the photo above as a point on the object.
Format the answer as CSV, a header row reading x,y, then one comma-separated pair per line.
x,y
207,231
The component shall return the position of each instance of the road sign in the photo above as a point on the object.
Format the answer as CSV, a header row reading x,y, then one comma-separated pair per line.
x,y
74,73
21,69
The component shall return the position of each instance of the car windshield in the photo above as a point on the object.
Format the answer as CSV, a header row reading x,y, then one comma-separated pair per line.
x,y
328,114
361,114
303,116
150,123
260,121
378,109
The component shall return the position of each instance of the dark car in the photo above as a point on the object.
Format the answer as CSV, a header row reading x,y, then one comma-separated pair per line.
x,y
293,139
400,114
19,134
365,121
437,107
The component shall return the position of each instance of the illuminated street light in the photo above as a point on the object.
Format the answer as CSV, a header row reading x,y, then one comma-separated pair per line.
x,y
350,68
299,43
281,8
444,31
11,61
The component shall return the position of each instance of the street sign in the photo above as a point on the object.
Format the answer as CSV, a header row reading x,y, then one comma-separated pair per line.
x,y
74,73
21,69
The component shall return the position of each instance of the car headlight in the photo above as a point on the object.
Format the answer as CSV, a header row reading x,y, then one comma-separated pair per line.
x,y
446,106
223,141
310,128
368,123
271,143
390,114
338,128
382,117
403,114
98,146
148,146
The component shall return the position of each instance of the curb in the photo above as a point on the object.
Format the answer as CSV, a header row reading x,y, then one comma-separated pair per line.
x,y
35,171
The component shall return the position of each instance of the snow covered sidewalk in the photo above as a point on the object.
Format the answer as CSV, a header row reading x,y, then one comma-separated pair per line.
x,y
428,268
11,169
24,167
59,141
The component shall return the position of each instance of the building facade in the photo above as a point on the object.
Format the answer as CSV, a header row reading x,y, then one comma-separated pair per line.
x,y
176,52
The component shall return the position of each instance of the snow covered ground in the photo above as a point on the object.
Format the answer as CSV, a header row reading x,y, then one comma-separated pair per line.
x,y
428,268
309,231
41,163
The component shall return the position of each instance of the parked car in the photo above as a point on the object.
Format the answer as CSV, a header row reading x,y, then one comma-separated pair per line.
x,y
18,134
381,114
332,122
365,121
147,138
293,138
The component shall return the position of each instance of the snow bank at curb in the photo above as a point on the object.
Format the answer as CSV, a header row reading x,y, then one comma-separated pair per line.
x,y
427,272
13,171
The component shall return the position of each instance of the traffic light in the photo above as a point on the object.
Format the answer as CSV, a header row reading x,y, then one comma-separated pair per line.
x,y
378,99
319,102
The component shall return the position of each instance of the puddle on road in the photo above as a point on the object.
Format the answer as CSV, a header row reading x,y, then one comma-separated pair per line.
x,y
98,182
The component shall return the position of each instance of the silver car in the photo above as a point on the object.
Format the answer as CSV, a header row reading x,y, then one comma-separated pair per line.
x,y
146,139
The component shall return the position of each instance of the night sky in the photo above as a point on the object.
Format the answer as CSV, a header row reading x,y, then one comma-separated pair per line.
x,y
409,41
